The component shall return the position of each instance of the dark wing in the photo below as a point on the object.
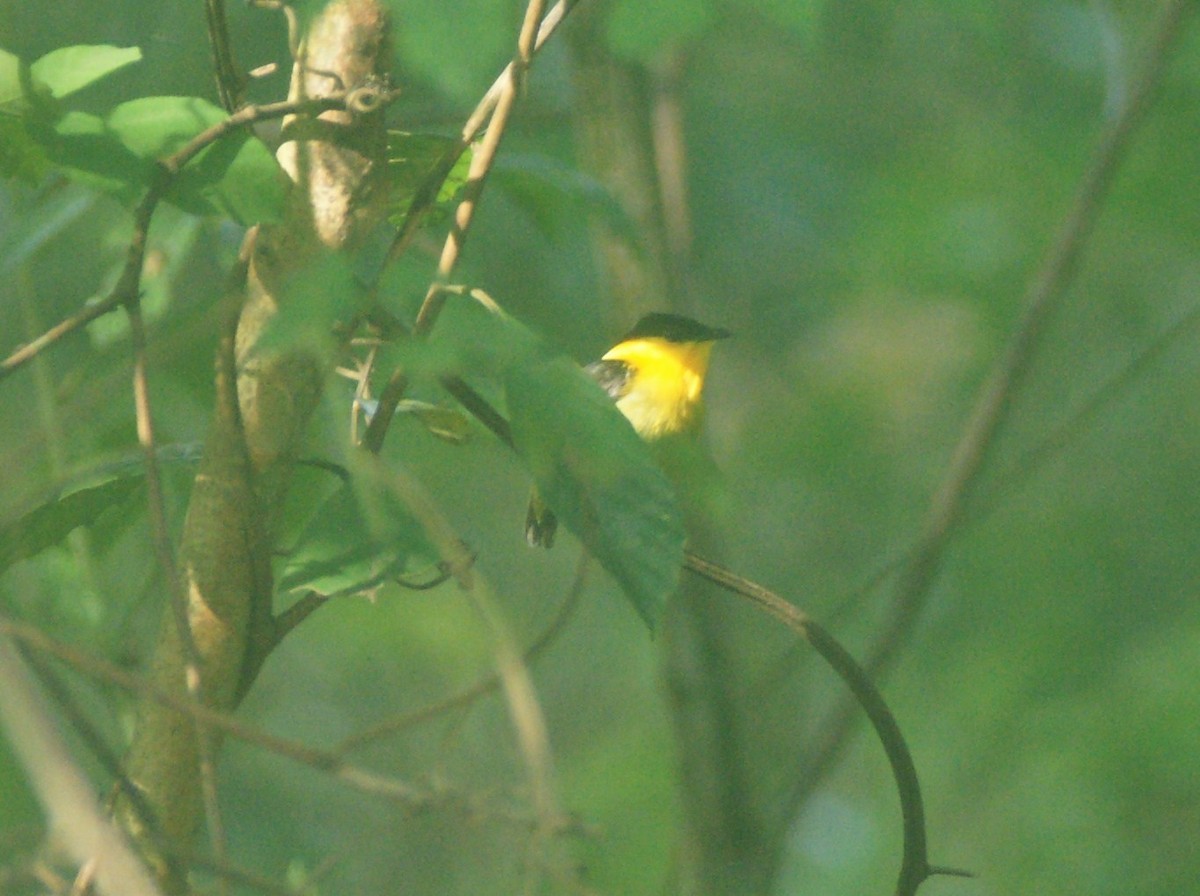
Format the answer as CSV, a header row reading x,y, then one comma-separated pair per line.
x,y
614,377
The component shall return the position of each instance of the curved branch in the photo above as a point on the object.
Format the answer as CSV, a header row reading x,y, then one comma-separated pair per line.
x,y
915,867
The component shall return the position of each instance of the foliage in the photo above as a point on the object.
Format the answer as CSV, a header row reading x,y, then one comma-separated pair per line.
x,y
118,152
870,188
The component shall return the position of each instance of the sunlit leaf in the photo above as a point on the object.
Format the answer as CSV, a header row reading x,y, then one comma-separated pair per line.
x,y
13,99
70,69
237,176
80,143
425,171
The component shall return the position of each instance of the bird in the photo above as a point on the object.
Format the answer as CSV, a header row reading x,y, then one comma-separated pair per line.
x,y
655,373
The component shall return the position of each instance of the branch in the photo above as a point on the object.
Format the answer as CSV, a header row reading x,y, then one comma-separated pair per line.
x,y
476,691
229,78
65,793
915,867
524,709
325,761
492,111
481,165
262,409
161,536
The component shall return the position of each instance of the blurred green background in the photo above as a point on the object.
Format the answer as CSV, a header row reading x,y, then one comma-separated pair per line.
x,y
871,187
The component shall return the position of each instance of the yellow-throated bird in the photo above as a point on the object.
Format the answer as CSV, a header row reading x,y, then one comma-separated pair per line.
x,y
656,376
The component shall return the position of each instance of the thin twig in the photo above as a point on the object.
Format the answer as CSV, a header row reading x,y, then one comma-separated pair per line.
x,y
413,797
111,763
524,708
550,22
1045,292
91,737
476,691
288,619
230,80
72,813
481,164
487,112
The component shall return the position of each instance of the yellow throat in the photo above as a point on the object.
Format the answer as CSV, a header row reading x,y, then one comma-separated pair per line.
x,y
664,392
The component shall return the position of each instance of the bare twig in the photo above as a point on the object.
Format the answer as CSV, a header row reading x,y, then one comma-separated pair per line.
x,y
230,80
322,760
60,786
524,708
1045,292
1023,468
493,111
287,620
514,674
481,165
111,763
479,689
93,740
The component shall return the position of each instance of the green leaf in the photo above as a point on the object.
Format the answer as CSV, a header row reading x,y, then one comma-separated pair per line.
x,y
599,477
588,463
358,539
12,86
478,342
557,196
50,523
425,171
237,176
80,143
70,69
21,156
